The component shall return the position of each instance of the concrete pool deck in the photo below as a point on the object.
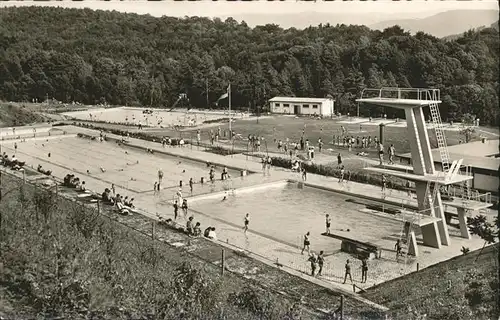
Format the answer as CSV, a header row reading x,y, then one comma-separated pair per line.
x,y
268,245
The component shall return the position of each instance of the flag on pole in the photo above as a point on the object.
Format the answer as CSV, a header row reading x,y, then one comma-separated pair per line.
x,y
224,96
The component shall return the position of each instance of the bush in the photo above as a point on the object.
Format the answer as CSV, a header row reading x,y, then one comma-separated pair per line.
x,y
221,120
222,151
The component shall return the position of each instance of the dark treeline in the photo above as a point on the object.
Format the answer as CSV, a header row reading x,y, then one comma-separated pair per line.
x,y
126,59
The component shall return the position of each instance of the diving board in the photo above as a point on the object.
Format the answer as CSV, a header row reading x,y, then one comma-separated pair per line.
x,y
433,178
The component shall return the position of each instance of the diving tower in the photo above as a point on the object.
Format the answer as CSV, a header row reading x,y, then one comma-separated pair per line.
x,y
427,179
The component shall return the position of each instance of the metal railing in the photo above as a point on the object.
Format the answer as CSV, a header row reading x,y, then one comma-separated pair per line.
x,y
401,93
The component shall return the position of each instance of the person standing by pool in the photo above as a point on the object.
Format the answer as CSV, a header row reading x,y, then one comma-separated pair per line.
x,y
364,270
381,153
314,261
224,174
339,160
304,174
176,209
184,207
191,183
246,222
398,248
347,271
307,243
212,175
328,222
321,262
342,173
160,177
392,153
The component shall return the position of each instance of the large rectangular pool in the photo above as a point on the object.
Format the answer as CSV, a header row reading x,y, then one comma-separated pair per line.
x,y
126,167
286,213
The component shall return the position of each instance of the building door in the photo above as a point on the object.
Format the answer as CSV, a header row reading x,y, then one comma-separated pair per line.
x,y
296,109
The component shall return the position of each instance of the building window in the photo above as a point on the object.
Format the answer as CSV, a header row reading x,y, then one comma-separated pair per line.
x,y
277,105
286,105
315,106
305,106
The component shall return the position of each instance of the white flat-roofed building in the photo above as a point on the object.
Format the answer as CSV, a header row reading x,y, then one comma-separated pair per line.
x,y
302,106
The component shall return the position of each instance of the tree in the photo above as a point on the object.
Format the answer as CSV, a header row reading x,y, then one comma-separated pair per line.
x,y
487,231
72,54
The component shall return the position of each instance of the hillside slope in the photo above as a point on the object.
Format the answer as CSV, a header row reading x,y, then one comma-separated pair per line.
x,y
18,115
462,287
445,23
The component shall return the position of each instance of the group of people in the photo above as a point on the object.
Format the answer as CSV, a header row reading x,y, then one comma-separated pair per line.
x,y
12,162
184,206
71,181
224,175
123,204
167,141
192,228
298,166
43,171
254,143
317,261
292,148
355,142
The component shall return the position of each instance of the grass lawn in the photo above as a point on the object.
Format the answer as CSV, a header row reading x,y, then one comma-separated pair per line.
x,y
460,288
282,127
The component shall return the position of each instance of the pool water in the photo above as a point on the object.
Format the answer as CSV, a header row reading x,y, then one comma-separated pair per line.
x,y
287,213
126,167
159,118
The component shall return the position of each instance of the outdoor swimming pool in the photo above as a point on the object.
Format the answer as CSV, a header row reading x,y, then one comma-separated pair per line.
x,y
134,116
129,168
286,213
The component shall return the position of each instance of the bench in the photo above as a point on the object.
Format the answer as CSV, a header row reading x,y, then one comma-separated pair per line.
x,y
363,249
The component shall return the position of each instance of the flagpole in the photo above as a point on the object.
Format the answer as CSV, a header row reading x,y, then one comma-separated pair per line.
x,y
229,96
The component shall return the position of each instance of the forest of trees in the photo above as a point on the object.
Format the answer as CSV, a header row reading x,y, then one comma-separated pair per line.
x,y
127,59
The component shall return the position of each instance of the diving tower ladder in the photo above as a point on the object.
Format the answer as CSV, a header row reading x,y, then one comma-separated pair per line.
x,y
433,96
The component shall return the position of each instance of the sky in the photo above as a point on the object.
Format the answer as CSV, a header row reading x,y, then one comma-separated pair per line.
x,y
408,9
